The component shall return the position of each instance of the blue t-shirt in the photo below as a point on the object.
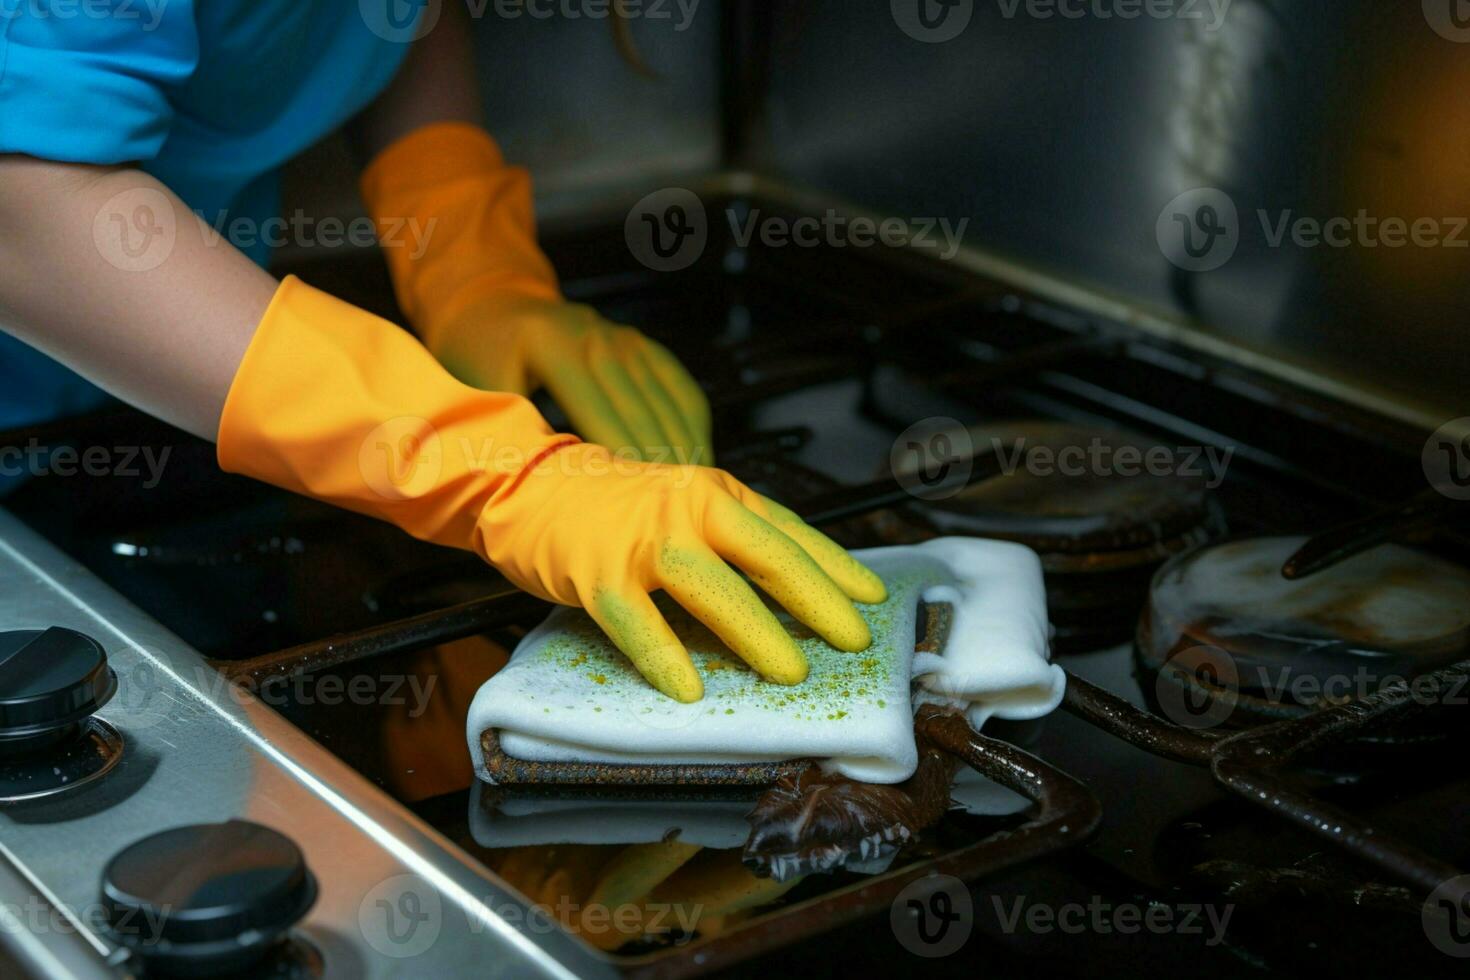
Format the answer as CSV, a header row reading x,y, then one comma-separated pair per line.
x,y
209,96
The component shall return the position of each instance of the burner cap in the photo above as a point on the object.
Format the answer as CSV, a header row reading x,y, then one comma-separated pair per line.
x,y
1282,647
49,680
206,898
1082,490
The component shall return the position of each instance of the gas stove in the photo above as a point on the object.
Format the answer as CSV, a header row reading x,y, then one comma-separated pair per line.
x,y
282,664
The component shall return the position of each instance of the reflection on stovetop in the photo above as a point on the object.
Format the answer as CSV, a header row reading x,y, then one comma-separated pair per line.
x,y
816,362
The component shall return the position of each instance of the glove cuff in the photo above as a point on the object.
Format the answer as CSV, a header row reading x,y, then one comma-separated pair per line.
x,y
340,405
473,225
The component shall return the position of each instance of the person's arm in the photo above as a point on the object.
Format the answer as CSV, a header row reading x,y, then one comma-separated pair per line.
x,y
106,270
480,292
436,84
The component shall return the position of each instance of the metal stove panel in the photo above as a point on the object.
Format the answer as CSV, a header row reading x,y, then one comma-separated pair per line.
x,y
198,750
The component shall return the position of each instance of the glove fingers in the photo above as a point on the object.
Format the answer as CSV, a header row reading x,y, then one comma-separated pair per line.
x,y
699,581
788,574
627,400
718,884
686,444
636,627
588,408
637,870
687,394
856,580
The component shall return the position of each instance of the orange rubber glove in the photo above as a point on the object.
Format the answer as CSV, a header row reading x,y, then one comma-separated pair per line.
x,y
611,895
485,300
337,404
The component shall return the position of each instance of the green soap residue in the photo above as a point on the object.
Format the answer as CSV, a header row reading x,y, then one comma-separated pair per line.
x,y
839,683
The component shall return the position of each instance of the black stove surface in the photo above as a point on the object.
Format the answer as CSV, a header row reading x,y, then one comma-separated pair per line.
x,y
817,359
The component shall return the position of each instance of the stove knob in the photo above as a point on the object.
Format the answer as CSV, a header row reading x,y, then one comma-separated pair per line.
x,y
206,899
51,681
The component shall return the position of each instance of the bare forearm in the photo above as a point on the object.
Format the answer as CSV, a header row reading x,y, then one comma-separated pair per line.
x,y
106,270
437,83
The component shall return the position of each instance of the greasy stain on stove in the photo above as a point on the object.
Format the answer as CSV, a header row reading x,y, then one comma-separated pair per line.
x,y
1321,834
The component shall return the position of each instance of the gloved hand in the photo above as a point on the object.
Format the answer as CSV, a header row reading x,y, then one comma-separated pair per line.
x,y
586,529
485,300
612,895
337,404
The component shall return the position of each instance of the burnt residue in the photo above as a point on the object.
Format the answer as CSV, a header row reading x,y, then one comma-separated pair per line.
x,y
1070,498
1100,524
1279,649
815,821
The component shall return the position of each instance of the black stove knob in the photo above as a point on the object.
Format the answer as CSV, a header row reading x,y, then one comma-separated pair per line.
x,y
207,899
51,681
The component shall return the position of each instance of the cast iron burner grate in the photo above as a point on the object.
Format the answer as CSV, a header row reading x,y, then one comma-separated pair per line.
x,y
882,340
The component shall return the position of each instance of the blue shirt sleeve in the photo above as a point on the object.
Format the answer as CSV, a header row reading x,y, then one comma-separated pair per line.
x,y
88,81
